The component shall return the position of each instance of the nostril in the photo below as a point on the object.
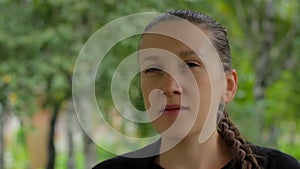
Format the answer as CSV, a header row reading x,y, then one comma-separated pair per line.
x,y
171,87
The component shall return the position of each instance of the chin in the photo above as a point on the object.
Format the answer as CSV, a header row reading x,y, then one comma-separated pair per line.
x,y
175,133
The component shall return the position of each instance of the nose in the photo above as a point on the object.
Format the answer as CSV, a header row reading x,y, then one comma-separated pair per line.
x,y
170,86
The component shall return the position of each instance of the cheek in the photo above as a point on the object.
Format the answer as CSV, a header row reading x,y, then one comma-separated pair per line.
x,y
204,90
146,88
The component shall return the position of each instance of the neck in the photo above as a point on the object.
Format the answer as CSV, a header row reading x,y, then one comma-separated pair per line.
x,y
190,154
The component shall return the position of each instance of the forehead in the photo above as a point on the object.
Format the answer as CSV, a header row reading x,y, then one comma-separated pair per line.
x,y
175,35
159,41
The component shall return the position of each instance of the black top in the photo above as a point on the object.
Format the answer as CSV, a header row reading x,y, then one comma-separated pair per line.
x,y
269,159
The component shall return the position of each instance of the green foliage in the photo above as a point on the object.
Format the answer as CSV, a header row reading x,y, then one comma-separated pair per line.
x,y
62,159
17,154
104,154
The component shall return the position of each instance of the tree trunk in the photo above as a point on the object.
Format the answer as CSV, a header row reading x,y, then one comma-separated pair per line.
x,y
1,137
89,152
258,21
274,133
262,68
70,123
51,146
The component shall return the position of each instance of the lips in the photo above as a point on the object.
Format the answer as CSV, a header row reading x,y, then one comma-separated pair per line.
x,y
173,109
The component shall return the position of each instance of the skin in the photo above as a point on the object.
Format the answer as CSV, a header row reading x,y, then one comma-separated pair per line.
x,y
166,80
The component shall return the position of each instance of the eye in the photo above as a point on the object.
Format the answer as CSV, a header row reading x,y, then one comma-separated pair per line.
x,y
191,64
152,70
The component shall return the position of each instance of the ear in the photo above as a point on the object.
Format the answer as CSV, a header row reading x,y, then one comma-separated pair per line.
x,y
231,85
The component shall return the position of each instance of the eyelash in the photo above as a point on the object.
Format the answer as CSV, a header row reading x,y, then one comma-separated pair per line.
x,y
152,69
186,65
191,64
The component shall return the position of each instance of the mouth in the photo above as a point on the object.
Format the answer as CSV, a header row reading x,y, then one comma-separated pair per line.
x,y
173,109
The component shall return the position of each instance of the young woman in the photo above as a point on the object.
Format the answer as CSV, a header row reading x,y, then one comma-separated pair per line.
x,y
185,91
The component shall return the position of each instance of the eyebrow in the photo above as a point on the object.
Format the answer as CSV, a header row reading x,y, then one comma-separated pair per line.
x,y
182,54
150,58
187,53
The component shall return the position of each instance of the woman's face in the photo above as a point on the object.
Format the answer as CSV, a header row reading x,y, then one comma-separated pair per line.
x,y
175,83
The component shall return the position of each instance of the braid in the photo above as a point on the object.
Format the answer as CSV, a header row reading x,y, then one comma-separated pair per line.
x,y
240,149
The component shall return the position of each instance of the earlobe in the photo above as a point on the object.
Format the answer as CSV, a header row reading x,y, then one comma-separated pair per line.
x,y
231,85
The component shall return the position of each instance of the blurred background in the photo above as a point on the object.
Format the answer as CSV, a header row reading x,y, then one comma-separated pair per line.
x,y
40,41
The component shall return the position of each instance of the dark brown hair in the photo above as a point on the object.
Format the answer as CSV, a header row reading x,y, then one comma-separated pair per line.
x,y
240,150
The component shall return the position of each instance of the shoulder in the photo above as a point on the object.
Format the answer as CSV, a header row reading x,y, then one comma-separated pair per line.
x,y
142,158
121,162
274,159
